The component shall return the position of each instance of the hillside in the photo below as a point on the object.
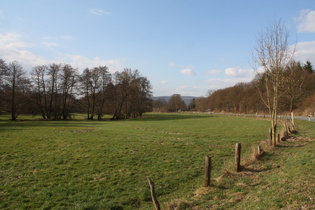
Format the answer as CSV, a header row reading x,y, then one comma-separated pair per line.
x,y
186,99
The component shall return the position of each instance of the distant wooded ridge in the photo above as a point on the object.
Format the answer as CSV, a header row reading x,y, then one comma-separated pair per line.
x,y
186,99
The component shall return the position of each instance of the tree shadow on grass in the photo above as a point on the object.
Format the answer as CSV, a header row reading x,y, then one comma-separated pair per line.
x,y
173,116
25,123
257,170
22,125
295,145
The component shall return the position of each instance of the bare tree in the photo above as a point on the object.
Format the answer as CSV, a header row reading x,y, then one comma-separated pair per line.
x,y
3,73
141,96
93,86
85,90
132,94
68,79
17,86
159,105
201,104
53,101
273,53
40,89
295,82
176,103
106,79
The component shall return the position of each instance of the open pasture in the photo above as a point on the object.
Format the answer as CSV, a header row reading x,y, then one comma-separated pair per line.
x,y
104,164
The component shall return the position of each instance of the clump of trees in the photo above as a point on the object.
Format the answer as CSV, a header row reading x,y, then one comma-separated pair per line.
x,y
56,91
175,104
241,98
15,88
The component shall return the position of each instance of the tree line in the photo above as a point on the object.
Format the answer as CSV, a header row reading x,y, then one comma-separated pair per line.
x,y
297,86
297,93
56,91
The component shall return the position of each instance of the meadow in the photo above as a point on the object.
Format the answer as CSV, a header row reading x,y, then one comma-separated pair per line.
x,y
80,164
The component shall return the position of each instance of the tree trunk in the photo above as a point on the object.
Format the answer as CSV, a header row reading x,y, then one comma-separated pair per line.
x,y
292,118
13,117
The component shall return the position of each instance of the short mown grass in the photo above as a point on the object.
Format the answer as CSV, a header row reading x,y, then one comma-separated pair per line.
x,y
104,164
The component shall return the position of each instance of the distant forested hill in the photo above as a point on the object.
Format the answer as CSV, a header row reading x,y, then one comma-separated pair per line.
x,y
186,99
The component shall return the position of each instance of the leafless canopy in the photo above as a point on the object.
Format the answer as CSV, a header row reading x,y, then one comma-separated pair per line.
x,y
273,53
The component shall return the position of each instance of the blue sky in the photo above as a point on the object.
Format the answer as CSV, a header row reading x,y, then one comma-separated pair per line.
x,y
185,47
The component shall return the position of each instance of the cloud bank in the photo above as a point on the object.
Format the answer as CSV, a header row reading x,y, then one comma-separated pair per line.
x,y
305,51
13,48
188,72
213,72
239,72
306,21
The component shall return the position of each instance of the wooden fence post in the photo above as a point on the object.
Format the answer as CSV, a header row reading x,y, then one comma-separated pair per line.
x,y
207,171
153,195
238,148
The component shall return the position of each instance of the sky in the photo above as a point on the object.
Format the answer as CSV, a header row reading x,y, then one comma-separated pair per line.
x,y
185,47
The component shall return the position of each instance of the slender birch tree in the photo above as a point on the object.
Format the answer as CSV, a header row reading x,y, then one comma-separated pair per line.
x,y
273,53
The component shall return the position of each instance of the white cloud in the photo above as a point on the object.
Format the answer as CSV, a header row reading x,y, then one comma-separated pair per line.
x,y
231,71
239,72
188,72
187,69
305,51
13,40
234,75
164,82
306,21
191,90
173,64
53,41
99,12
260,69
213,72
82,62
220,83
13,48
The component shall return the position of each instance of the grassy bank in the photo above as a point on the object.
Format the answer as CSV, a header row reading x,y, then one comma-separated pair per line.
x,y
103,165
283,178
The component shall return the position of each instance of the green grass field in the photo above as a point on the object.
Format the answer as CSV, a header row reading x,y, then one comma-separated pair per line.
x,y
104,164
